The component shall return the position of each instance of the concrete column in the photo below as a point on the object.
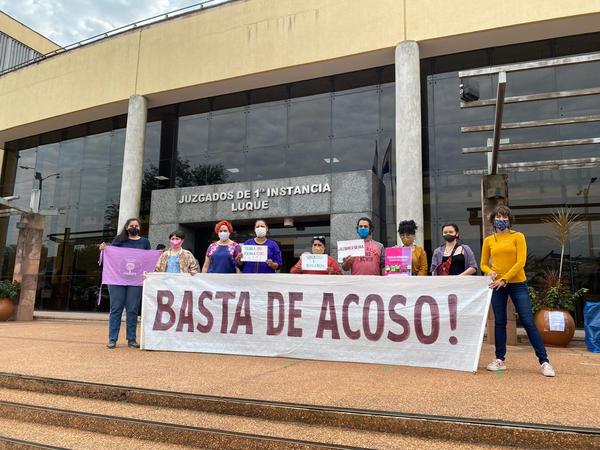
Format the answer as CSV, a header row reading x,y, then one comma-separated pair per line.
x,y
27,262
409,170
133,160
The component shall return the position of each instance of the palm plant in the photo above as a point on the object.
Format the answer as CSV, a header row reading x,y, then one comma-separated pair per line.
x,y
564,225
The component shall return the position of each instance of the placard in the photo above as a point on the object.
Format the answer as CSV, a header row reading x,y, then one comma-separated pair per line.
x,y
314,262
398,261
355,247
254,253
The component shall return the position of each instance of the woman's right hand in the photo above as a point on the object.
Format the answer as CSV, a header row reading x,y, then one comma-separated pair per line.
x,y
238,257
492,275
102,246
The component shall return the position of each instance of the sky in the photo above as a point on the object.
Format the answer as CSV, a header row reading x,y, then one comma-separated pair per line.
x,y
68,21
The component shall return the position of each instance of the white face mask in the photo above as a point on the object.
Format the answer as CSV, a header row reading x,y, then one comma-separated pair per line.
x,y
223,235
260,232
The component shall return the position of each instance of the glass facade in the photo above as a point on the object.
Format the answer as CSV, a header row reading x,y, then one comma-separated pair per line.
x,y
454,197
81,177
337,123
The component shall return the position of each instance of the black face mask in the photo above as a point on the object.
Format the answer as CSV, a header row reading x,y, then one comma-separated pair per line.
x,y
134,231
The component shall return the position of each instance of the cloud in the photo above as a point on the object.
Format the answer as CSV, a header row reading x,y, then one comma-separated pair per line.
x,y
69,21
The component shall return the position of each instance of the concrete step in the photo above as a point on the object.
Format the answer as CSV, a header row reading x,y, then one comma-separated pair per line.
x,y
18,435
169,426
492,432
320,425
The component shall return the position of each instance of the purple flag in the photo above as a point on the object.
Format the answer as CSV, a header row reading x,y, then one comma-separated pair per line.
x,y
126,266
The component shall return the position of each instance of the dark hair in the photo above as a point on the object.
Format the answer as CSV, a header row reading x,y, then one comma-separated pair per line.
x,y
261,220
407,227
124,235
321,239
221,223
366,219
177,233
160,246
453,225
503,210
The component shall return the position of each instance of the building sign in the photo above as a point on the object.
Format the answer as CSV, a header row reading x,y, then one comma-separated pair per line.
x,y
257,199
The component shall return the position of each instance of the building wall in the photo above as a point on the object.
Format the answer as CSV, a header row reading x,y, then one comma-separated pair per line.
x,y
26,35
253,43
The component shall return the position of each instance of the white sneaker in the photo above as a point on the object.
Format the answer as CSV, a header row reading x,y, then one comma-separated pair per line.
x,y
548,370
496,365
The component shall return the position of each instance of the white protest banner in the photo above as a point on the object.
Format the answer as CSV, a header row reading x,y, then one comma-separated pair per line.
x,y
313,262
416,321
254,253
355,247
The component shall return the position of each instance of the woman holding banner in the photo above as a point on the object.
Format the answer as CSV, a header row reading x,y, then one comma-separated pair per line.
x,y
221,255
453,257
125,297
506,251
176,259
318,248
407,230
273,261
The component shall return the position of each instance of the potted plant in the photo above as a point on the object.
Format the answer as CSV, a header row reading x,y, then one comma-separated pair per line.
x,y
9,291
552,305
554,300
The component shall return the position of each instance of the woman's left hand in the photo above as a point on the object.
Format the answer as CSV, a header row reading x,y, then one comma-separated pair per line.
x,y
498,283
272,264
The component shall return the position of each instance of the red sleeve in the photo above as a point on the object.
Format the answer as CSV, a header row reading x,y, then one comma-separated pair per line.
x,y
332,264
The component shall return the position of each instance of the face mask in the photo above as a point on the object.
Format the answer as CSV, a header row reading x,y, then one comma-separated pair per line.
x,y
501,224
260,232
175,243
134,231
318,250
223,235
363,232
450,237
408,241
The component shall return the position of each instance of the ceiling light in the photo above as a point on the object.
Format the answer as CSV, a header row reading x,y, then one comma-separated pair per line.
x,y
233,170
161,178
329,160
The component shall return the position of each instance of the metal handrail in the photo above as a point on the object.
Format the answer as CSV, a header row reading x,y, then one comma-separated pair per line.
x,y
204,4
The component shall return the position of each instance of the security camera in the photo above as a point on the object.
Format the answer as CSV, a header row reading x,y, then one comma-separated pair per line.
x,y
468,93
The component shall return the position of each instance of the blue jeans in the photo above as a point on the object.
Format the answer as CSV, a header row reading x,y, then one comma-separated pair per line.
x,y
520,298
127,297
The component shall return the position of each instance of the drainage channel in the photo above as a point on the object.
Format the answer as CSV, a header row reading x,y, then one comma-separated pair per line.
x,y
207,438
496,432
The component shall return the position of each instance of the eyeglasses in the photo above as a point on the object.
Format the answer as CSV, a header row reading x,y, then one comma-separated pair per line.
x,y
318,237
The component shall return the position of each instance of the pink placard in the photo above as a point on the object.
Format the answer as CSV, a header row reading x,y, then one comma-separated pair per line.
x,y
398,261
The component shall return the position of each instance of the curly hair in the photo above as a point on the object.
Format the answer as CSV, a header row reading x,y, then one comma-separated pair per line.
x,y
221,223
407,227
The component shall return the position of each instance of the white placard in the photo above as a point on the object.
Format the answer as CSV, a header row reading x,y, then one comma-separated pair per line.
x,y
254,253
355,247
416,321
556,321
314,262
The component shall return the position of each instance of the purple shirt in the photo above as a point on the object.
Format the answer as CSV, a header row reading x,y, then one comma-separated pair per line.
x,y
262,267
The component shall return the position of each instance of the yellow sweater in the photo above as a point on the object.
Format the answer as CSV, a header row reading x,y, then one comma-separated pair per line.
x,y
508,252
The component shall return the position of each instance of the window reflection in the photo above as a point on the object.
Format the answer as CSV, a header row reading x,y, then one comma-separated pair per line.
x,y
267,125
355,153
356,113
